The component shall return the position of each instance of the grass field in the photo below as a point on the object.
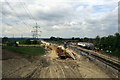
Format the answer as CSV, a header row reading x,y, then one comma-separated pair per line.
x,y
31,51
29,45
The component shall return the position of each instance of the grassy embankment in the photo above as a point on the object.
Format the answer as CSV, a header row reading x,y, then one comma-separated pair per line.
x,y
31,51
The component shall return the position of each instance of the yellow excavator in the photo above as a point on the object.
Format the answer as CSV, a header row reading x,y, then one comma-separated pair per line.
x,y
63,52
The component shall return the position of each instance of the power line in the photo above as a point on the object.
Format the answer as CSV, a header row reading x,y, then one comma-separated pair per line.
x,y
30,13
16,13
19,31
36,31
27,11
3,13
12,25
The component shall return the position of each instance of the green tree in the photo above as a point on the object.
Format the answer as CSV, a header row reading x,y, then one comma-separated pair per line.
x,y
86,39
73,38
52,38
111,43
4,39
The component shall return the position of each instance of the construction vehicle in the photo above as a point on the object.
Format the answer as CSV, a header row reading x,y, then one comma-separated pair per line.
x,y
61,52
64,53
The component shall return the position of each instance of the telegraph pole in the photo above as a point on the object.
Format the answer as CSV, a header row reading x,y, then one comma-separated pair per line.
x,y
13,35
35,32
21,36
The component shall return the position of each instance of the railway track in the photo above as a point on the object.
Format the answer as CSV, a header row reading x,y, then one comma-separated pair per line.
x,y
114,64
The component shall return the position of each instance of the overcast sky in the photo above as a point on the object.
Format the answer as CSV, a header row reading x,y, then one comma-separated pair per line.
x,y
59,18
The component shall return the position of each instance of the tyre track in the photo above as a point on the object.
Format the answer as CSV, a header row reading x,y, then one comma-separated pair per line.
x,y
25,71
74,71
60,70
35,73
68,73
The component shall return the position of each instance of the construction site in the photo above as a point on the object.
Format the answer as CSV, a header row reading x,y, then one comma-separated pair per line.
x,y
59,39
60,62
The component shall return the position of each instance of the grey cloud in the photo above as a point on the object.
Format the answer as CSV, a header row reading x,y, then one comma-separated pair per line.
x,y
58,14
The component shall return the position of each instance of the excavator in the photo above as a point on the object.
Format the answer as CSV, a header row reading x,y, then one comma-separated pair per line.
x,y
64,53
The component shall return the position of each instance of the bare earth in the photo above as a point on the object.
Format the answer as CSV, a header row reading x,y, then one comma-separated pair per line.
x,y
50,66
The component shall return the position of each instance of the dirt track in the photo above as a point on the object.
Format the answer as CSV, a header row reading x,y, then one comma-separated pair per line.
x,y
50,66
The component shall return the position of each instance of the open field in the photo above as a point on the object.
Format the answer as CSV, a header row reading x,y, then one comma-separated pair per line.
x,y
31,51
29,45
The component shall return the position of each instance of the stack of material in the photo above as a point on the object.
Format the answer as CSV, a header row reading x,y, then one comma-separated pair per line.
x,y
70,54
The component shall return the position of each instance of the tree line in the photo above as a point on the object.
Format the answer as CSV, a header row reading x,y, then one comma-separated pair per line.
x,y
109,44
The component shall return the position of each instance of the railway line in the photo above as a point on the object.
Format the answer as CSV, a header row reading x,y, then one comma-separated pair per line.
x,y
92,56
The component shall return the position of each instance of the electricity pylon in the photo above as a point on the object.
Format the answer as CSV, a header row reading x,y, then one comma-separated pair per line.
x,y
36,31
